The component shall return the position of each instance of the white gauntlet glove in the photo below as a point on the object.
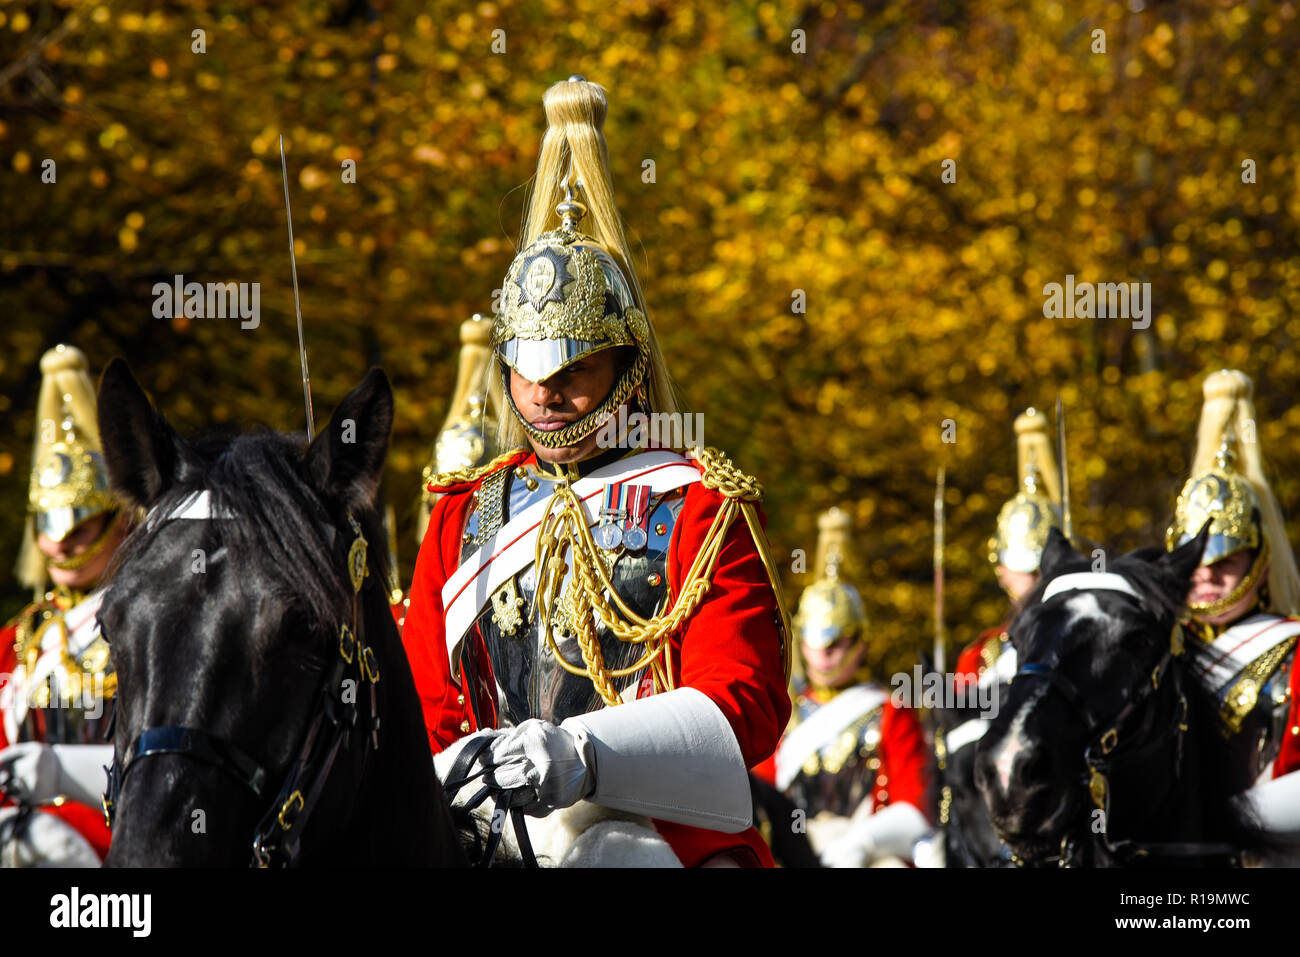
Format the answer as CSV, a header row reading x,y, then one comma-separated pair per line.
x,y
45,771
544,765
1276,804
890,832
552,768
672,756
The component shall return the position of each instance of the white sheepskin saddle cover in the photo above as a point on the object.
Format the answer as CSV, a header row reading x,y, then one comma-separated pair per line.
x,y
585,835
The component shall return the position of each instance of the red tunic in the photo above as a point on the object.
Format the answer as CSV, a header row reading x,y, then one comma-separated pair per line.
x,y
87,821
8,661
1288,759
730,648
971,663
904,774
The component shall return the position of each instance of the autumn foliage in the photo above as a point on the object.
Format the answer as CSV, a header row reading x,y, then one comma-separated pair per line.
x,y
823,295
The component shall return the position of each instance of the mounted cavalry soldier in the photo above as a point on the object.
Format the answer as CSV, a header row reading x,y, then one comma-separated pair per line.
x,y
593,621
1016,552
57,696
1242,630
851,759
1016,548
466,440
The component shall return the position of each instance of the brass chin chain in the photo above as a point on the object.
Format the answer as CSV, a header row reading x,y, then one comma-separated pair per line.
x,y
1220,605
76,562
575,432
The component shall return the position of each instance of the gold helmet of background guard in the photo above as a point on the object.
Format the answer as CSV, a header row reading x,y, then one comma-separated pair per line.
x,y
1026,518
1229,490
69,482
830,608
1223,498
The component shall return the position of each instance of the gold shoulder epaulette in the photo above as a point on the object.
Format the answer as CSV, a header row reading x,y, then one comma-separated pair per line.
x,y
743,492
721,475
471,474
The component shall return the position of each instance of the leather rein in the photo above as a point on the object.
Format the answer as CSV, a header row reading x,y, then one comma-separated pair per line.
x,y
277,839
1103,751
459,776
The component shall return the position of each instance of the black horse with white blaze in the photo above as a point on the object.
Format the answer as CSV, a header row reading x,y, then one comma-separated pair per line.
x,y
265,710
969,837
1106,752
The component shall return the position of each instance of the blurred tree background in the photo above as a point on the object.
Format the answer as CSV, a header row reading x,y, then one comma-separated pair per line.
x,y
784,161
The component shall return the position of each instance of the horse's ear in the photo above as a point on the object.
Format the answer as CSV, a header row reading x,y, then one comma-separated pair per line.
x,y
1182,561
141,451
346,461
1057,551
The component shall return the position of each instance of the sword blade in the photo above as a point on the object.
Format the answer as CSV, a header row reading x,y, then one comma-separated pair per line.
x,y
297,305
1067,524
939,663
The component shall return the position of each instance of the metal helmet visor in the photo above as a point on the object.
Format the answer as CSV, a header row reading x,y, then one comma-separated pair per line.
x,y
828,611
58,523
539,359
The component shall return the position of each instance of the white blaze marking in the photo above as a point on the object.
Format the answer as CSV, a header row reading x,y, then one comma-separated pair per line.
x,y
1084,607
1014,742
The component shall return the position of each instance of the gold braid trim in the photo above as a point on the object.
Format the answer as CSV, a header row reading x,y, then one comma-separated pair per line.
x,y
564,536
473,473
722,476
1244,694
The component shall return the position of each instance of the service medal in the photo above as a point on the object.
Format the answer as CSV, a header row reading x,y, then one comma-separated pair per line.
x,y
608,536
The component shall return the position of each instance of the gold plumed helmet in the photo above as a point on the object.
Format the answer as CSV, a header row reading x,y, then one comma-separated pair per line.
x,y
1025,520
468,434
830,608
69,483
1228,490
572,291
1223,498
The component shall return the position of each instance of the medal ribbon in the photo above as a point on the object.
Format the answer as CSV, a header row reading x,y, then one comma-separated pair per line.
x,y
615,498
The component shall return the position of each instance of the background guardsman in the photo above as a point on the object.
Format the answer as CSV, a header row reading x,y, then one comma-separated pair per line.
x,y
1242,631
58,696
853,761
468,437
1016,551
1016,548
466,440
609,616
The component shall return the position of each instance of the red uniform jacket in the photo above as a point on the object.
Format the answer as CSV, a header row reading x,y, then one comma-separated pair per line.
x,y
730,648
971,663
904,761
1288,758
87,821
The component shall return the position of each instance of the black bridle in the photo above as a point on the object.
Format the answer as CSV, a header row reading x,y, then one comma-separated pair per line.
x,y
1121,745
277,839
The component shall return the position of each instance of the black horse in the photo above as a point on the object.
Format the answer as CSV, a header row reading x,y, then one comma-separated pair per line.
x,y
265,709
1106,752
969,837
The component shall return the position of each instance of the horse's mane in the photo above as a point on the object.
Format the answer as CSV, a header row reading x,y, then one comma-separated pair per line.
x,y
282,532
